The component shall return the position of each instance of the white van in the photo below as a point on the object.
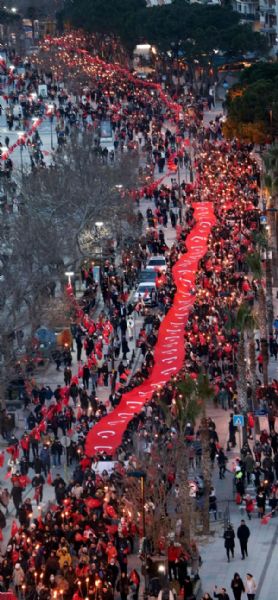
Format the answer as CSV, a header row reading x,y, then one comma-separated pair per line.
x,y
106,135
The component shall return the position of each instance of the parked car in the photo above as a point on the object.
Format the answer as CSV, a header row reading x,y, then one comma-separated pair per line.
x,y
106,135
157,263
146,291
147,275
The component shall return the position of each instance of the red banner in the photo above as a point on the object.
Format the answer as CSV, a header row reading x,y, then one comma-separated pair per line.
x,y
169,351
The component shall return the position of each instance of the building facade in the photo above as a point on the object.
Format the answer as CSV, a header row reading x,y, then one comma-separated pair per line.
x,y
263,15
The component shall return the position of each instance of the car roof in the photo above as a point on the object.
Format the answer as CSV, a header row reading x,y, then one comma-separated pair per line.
x,y
147,273
146,283
159,257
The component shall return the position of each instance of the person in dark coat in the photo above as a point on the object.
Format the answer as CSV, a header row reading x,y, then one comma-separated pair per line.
x,y
182,569
37,483
67,375
23,516
229,537
79,347
51,566
125,347
243,534
232,432
188,588
86,376
105,373
16,494
221,594
237,586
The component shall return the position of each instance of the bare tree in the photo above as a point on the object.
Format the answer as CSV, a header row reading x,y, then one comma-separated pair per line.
x,y
60,206
168,510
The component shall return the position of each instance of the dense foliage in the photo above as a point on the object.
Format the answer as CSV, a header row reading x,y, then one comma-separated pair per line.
x,y
194,28
253,104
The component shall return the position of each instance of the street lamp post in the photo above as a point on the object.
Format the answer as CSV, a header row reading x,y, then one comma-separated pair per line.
x,y
69,275
99,225
50,112
267,256
21,141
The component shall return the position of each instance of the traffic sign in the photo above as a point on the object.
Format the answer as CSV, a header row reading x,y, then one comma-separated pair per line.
x,y
263,220
238,420
261,412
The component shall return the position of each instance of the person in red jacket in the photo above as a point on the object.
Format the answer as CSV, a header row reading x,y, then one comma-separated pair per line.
x,y
174,552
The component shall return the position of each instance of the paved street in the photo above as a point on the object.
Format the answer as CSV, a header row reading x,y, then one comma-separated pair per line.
x,y
21,158
263,541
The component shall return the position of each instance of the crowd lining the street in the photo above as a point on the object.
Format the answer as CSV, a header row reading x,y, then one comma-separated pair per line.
x,y
79,548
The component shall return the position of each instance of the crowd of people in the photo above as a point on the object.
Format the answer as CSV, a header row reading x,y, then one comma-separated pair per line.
x,y
80,546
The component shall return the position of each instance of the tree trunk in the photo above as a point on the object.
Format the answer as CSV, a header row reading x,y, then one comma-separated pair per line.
x,y
186,503
263,332
241,375
242,384
206,471
252,367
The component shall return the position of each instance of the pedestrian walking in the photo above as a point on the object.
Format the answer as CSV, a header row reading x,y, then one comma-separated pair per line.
x,y
79,346
56,451
45,459
67,375
232,433
18,577
125,347
86,376
37,483
250,586
249,506
237,586
16,494
229,537
221,459
243,534
221,594
261,500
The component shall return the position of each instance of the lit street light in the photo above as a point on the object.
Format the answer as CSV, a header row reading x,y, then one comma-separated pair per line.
x,y
69,275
